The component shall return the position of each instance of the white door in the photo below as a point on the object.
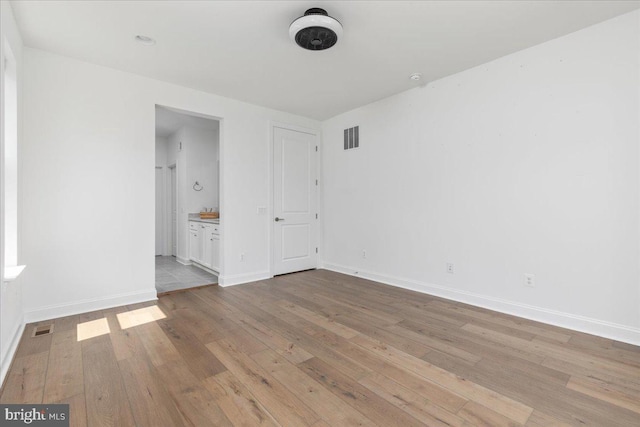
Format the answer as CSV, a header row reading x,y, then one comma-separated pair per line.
x,y
174,213
159,211
294,201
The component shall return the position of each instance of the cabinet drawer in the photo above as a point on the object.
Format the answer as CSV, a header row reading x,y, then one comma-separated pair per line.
x,y
215,229
193,225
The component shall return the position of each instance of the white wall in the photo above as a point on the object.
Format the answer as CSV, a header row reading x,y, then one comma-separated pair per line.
x,y
527,164
90,131
202,165
11,294
195,152
161,151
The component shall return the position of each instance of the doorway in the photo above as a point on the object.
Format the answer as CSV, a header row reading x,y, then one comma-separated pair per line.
x,y
187,183
295,200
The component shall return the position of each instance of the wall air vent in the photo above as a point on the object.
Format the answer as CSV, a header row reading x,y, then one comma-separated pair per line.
x,y
351,138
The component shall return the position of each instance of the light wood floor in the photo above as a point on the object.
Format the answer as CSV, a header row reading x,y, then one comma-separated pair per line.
x,y
319,348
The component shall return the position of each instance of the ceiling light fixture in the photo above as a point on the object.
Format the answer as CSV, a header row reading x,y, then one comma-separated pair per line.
x,y
147,41
416,77
316,30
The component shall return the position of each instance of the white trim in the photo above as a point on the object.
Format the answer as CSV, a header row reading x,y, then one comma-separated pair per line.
x,y
205,268
7,358
183,261
239,279
169,197
11,273
557,318
87,305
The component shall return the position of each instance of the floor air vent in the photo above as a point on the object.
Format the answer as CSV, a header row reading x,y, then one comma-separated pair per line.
x,y
42,330
352,138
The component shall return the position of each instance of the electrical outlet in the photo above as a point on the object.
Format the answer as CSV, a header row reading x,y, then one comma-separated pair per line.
x,y
530,280
364,254
242,257
450,267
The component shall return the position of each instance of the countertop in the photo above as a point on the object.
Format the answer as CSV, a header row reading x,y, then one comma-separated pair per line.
x,y
208,221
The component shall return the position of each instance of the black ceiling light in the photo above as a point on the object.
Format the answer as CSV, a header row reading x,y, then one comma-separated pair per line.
x,y
316,30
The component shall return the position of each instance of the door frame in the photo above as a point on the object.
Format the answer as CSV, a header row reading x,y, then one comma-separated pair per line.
x,y
163,208
170,198
270,208
221,182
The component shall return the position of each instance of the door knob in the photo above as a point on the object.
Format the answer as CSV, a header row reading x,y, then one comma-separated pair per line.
x,y
279,219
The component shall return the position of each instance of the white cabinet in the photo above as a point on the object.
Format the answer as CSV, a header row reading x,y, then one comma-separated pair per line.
x,y
194,246
215,252
204,244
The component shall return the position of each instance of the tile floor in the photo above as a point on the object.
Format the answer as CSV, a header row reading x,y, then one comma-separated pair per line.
x,y
171,275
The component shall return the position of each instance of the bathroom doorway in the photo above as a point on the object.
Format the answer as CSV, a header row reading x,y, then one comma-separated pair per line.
x,y
187,184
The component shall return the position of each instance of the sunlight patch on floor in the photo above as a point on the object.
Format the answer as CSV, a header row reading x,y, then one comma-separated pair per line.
x,y
141,316
92,329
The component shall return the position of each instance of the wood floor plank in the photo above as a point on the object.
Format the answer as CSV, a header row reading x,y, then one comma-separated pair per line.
x,y
319,320
302,336
285,407
408,346
479,415
375,363
237,401
356,395
106,399
540,419
269,337
30,345
332,409
436,344
201,362
26,379
510,408
125,342
570,369
65,323
411,402
158,346
67,379
603,391
194,402
471,342
151,403
77,410
563,353
552,332
526,385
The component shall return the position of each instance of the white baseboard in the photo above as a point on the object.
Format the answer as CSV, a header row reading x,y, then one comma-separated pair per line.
x,y
84,306
575,322
183,261
207,269
239,279
7,357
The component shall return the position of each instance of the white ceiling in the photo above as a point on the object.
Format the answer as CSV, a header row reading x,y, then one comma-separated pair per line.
x,y
241,49
169,121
